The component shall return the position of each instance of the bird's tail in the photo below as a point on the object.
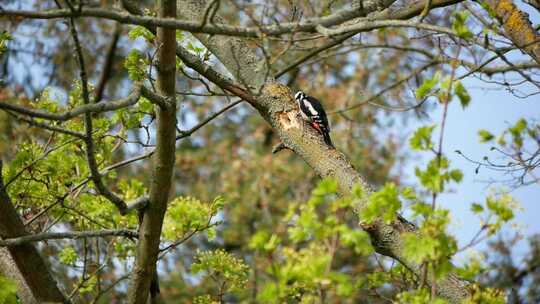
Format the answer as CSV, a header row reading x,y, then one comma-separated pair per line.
x,y
327,139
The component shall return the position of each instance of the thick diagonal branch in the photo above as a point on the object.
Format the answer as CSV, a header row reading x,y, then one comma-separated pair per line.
x,y
517,26
276,105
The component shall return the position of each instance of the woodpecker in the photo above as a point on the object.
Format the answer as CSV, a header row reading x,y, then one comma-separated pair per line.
x,y
313,112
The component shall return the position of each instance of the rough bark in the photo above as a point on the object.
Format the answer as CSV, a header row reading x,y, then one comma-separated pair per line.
x,y
163,163
517,26
31,272
275,103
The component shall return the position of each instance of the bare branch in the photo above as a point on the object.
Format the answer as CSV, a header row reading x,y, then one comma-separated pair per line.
x,y
74,235
368,25
89,141
101,107
205,121
49,127
200,26
107,64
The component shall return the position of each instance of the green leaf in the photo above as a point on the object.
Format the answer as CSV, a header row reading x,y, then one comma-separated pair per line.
x,y
383,204
460,25
409,193
326,186
485,136
421,139
68,255
462,94
456,175
187,214
5,37
8,291
436,175
425,88
230,273
141,32
476,208
135,64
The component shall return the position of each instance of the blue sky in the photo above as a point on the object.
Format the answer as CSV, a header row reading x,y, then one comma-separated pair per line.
x,y
493,110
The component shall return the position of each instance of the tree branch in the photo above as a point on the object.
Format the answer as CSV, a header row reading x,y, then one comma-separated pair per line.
x,y
89,141
67,235
208,119
517,26
195,25
107,64
144,279
101,107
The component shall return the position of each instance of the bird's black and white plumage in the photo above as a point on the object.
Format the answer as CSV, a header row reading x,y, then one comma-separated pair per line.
x,y
313,112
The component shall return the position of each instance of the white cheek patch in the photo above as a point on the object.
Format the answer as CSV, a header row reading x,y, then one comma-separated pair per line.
x,y
310,108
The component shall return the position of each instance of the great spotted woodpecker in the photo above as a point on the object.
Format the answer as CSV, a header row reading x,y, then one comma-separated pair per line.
x,y
313,112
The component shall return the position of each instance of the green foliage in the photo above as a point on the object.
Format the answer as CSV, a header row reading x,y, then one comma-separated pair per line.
x,y
423,90
485,295
187,215
131,118
8,291
264,241
435,245
485,136
68,255
229,273
327,186
383,204
5,37
462,94
437,174
476,208
89,285
421,139
141,32
419,296
430,85
302,259
497,210
302,274
472,268
516,131
136,64
488,8
206,299
460,25
195,47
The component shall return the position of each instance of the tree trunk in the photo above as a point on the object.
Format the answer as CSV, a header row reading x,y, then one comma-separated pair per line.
x,y
23,263
144,271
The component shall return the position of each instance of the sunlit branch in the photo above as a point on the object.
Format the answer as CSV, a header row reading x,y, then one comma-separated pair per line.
x,y
197,26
